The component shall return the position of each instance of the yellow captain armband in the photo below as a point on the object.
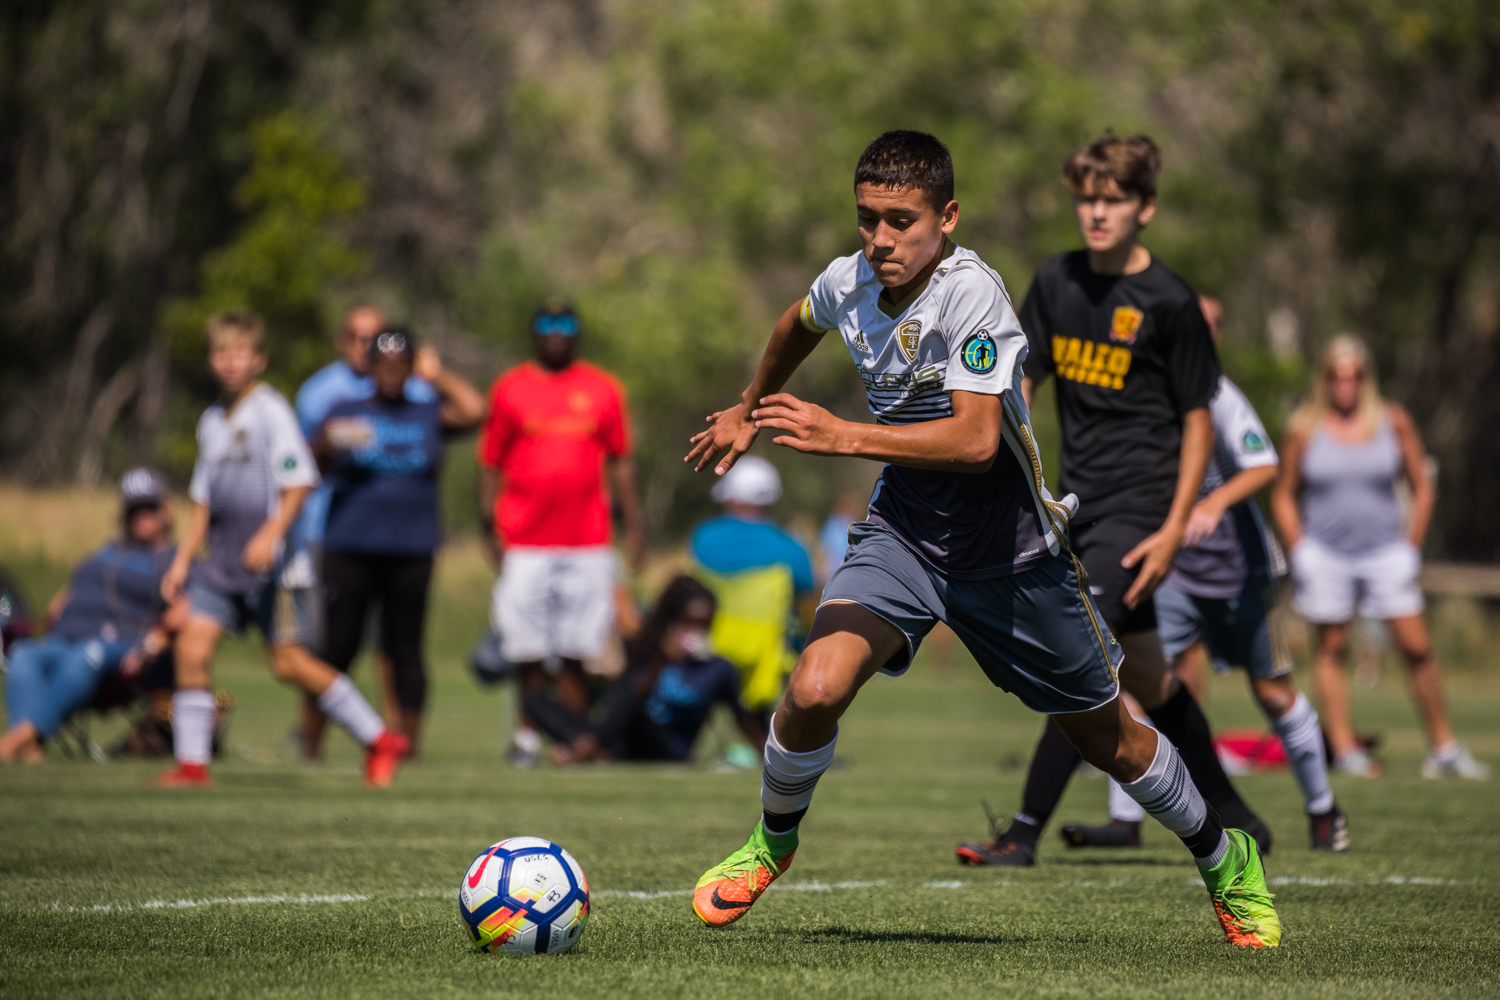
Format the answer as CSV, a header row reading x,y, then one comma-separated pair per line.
x,y
806,316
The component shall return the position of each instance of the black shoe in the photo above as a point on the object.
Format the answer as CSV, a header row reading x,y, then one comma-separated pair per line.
x,y
1115,833
1236,815
1015,847
1329,831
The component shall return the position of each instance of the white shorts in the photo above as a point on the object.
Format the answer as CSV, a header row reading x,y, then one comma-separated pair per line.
x,y
1329,587
554,602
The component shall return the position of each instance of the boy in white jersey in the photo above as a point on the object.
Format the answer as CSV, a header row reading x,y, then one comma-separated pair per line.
x,y
253,472
960,529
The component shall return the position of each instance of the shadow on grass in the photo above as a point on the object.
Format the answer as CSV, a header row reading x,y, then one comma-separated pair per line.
x,y
855,935
1110,861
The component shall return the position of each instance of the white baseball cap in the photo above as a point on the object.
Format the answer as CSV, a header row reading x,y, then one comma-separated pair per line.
x,y
752,480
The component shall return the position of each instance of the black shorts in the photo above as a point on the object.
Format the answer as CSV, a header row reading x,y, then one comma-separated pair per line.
x,y
1035,633
1100,544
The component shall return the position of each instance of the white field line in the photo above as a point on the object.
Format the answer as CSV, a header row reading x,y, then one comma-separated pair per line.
x,y
304,899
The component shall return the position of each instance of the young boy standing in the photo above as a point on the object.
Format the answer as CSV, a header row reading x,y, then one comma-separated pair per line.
x,y
960,529
1136,368
253,472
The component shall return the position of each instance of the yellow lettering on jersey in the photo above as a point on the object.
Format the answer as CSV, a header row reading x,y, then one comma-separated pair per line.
x,y
1091,363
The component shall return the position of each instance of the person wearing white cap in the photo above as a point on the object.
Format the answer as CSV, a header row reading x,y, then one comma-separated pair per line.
x,y
110,616
757,571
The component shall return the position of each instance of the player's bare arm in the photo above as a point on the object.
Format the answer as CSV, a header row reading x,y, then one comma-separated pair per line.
x,y
1211,509
260,550
1156,552
1284,495
964,442
192,541
731,432
621,472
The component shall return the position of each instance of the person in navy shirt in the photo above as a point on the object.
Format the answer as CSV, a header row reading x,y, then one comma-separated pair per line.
x,y
111,616
343,380
383,457
661,704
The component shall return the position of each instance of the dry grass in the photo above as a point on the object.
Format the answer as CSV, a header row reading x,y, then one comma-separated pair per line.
x,y
55,525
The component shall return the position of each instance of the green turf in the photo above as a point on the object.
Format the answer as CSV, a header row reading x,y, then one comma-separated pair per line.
x,y
1409,912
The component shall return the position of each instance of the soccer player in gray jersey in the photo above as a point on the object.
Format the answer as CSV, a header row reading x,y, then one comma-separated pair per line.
x,y
960,529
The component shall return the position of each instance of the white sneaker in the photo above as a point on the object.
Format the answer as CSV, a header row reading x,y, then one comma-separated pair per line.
x,y
1456,762
1355,763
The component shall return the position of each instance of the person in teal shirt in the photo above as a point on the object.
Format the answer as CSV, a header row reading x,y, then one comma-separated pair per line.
x,y
743,537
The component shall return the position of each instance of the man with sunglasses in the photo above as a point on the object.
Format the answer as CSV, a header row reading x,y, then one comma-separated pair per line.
x,y
556,427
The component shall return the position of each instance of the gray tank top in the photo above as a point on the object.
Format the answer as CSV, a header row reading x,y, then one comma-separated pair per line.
x,y
1349,491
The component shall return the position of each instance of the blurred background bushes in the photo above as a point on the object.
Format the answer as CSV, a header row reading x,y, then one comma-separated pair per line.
x,y
682,171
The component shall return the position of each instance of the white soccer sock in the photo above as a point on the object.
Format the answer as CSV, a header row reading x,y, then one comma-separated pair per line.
x,y
1121,806
343,703
788,779
1299,733
1166,792
193,726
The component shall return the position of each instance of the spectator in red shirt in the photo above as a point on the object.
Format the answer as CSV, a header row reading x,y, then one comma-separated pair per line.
x,y
556,427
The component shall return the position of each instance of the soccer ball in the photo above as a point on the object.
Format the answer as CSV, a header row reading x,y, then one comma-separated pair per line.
x,y
524,895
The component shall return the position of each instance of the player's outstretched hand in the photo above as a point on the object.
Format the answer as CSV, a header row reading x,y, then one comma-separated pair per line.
x,y
1202,522
806,426
260,551
1154,555
730,433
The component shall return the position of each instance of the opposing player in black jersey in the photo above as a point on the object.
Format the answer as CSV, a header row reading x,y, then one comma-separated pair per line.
x,y
960,529
1135,367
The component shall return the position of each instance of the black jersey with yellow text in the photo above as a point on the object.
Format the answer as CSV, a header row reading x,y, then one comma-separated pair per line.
x,y
1131,354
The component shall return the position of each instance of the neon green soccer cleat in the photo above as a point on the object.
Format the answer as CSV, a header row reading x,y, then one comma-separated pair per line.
x,y
1240,897
727,890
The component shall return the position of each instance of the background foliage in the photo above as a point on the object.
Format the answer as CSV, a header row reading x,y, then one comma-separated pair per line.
x,y
681,169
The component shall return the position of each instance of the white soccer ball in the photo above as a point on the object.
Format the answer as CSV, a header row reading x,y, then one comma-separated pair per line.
x,y
524,895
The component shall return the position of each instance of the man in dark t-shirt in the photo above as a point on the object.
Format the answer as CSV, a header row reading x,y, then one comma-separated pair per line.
x,y
1135,368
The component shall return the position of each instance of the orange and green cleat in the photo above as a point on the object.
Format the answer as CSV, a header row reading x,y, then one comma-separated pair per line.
x,y
726,891
1237,886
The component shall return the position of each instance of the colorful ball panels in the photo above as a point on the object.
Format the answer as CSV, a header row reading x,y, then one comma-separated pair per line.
x,y
524,895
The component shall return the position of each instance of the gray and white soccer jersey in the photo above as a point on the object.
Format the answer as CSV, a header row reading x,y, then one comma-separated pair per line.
x,y
959,332
1240,552
246,457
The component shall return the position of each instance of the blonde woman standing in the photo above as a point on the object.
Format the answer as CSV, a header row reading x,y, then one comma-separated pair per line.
x,y
1336,507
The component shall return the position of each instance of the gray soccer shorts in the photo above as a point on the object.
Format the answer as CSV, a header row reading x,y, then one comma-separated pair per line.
x,y
1237,630
279,613
1035,634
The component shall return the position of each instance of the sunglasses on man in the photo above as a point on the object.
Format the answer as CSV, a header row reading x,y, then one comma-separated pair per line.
x,y
564,323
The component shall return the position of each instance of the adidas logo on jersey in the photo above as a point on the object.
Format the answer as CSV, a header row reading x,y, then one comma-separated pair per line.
x,y
860,344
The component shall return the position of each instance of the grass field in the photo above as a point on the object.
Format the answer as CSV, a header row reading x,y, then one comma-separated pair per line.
x,y
292,881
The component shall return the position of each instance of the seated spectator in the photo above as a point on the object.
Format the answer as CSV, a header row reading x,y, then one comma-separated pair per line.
x,y
111,616
662,702
757,571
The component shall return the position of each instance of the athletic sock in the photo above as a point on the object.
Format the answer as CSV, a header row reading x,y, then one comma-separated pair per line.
x,y
787,781
1303,741
193,726
1121,806
343,703
1052,765
1024,829
1167,793
1181,720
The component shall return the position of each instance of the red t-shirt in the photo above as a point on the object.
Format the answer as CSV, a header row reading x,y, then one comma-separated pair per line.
x,y
549,433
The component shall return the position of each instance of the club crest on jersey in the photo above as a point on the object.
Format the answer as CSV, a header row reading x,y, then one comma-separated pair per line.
x,y
1126,322
908,334
860,344
979,353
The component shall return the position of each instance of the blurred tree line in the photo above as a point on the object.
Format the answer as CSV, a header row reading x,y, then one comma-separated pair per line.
x,y
682,170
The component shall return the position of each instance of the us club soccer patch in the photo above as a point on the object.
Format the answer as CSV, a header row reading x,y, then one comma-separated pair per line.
x,y
908,335
979,353
1253,441
1125,324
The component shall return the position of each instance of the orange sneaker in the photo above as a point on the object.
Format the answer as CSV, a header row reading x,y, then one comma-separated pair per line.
x,y
383,757
186,776
727,890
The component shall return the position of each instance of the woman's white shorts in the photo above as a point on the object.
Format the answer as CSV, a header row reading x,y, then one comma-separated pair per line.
x,y
1329,587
